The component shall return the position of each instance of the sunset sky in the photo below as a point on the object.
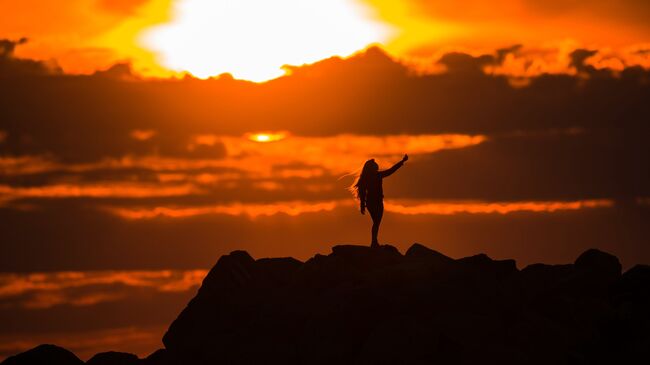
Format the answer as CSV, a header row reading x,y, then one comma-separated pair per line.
x,y
142,139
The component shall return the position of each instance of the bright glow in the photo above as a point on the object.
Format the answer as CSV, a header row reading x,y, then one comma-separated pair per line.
x,y
253,39
450,208
296,208
267,137
142,134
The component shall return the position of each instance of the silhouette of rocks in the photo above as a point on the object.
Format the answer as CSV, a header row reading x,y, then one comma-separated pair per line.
x,y
44,354
113,358
359,305
600,263
419,251
499,268
362,305
158,357
634,286
624,332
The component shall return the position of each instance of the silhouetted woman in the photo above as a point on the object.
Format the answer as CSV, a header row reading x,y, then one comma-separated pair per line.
x,y
368,189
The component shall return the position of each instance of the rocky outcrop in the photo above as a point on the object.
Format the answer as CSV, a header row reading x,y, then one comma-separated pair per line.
x,y
113,358
44,354
624,337
359,305
158,357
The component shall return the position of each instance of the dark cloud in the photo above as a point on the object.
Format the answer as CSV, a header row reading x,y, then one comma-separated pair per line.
x,y
7,47
16,67
560,137
119,71
579,57
466,64
89,117
607,163
503,52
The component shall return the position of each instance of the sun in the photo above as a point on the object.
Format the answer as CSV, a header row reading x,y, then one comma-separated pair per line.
x,y
264,137
254,39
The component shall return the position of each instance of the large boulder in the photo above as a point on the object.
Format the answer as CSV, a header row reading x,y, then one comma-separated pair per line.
x,y
356,305
634,287
418,250
487,266
158,357
599,263
113,358
44,355
595,273
230,309
625,333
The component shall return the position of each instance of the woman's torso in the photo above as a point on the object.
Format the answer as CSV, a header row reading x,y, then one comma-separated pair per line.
x,y
374,188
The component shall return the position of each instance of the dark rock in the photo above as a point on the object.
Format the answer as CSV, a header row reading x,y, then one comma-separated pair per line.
x,y
365,258
234,295
419,251
631,299
592,276
44,355
353,252
346,307
113,358
278,270
634,286
624,333
483,263
542,278
158,357
231,272
599,262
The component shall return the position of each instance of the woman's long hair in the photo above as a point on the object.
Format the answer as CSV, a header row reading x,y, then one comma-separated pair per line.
x,y
361,181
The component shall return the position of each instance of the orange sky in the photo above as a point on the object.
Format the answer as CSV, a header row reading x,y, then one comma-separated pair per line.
x,y
156,35
119,190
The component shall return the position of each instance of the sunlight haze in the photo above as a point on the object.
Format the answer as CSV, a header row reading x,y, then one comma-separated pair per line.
x,y
253,39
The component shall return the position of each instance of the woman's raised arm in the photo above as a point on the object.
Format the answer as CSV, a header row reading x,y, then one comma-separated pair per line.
x,y
386,173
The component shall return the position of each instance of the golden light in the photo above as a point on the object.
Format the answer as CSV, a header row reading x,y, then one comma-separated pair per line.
x,y
142,134
267,137
254,39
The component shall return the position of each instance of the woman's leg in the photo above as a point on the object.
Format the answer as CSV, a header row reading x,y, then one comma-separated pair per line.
x,y
376,213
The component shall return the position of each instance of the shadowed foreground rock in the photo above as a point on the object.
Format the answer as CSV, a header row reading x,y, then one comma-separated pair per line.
x,y
44,354
375,306
113,358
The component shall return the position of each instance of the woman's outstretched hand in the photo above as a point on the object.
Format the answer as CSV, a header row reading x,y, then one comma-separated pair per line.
x,y
405,158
